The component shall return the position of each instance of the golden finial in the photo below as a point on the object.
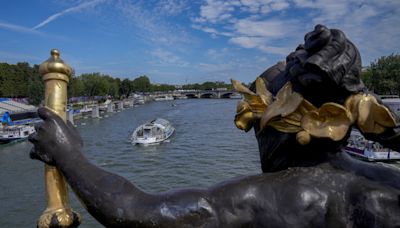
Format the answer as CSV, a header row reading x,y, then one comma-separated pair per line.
x,y
55,65
55,53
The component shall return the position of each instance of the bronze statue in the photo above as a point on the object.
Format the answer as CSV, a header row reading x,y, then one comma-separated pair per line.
x,y
302,112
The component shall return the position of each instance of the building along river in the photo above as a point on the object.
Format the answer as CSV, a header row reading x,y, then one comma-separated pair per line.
x,y
206,148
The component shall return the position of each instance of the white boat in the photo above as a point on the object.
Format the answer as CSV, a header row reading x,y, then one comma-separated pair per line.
x,y
364,149
153,132
180,97
15,133
163,98
140,101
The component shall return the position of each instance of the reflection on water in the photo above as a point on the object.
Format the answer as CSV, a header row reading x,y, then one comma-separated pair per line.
x,y
205,149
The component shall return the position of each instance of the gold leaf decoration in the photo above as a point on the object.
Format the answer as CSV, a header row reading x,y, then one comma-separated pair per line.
x,y
284,126
263,92
244,116
374,117
253,104
351,104
289,112
330,121
286,102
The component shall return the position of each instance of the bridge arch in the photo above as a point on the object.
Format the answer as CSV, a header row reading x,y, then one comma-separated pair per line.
x,y
191,95
231,94
227,95
208,95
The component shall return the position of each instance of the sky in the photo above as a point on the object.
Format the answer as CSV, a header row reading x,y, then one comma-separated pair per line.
x,y
187,41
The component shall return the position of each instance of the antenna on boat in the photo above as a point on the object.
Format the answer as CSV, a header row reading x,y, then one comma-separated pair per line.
x,y
56,75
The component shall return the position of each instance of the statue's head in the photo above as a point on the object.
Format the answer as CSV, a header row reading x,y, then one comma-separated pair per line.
x,y
303,109
326,67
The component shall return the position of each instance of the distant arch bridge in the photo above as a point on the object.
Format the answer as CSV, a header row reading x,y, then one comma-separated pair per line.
x,y
210,94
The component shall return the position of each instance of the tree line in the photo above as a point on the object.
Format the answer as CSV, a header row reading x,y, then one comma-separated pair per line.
x,y
22,80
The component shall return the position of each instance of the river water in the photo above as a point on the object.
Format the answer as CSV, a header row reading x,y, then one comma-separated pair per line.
x,y
205,149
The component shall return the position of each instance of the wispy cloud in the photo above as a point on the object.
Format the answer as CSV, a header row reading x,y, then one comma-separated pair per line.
x,y
153,23
222,64
371,25
247,23
268,26
17,28
67,11
171,7
168,58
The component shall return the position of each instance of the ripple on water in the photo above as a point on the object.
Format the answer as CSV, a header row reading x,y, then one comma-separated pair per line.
x,y
206,149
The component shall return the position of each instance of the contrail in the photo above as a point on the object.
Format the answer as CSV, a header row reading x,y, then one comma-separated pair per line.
x,y
17,28
69,10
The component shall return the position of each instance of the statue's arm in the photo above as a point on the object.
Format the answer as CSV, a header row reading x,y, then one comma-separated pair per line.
x,y
112,199
116,202
240,202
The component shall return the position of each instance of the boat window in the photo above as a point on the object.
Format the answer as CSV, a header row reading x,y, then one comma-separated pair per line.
x,y
379,148
370,146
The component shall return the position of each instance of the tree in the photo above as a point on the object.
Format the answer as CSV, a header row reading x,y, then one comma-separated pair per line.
x,y
16,80
94,84
162,87
383,76
35,87
126,87
114,85
76,87
142,84
36,92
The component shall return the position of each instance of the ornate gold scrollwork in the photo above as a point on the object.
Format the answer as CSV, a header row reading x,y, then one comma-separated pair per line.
x,y
289,112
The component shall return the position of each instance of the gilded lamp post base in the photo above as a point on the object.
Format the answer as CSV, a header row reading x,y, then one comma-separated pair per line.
x,y
63,217
58,212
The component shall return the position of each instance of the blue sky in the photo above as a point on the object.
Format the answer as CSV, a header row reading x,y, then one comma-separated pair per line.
x,y
184,41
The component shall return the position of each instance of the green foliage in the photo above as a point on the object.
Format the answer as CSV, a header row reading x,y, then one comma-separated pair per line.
x,y
141,84
162,87
383,76
14,79
126,87
98,85
36,92
208,86
113,86
76,87
35,87
23,80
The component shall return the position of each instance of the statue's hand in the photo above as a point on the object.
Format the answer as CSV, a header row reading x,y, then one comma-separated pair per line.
x,y
53,138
